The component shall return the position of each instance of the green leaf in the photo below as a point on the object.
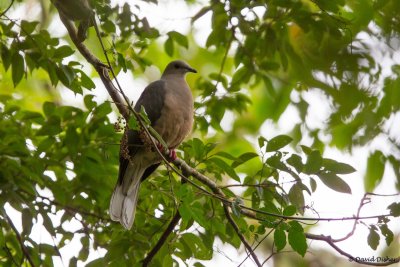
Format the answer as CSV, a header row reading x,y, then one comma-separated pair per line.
x,y
89,103
307,150
297,238
17,68
243,158
27,27
337,167
261,141
289,210
86,81
122,62
49,108
144,116
198,148
375,170
387,233
5,56
225,155
314,162
102,110
295,161
373,238
240,76
65,74
278,142
179,38
296,196
133,123
225,167
63,52
334,182
96,263
394,209
275,162
313,184
169,47
279,239
26,221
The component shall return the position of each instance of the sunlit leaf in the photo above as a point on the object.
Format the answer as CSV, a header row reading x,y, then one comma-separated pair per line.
x,y
297,239
278,142
279,239
375,170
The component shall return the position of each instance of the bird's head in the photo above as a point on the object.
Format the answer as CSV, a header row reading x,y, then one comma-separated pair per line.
x,y
178,67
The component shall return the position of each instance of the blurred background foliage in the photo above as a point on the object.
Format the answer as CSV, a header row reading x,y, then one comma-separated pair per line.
x,y
258,60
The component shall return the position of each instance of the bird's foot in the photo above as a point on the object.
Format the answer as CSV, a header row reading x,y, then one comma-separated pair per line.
x,y
171,155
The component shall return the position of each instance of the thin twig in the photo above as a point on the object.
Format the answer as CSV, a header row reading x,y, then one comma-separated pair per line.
x,y
330,242
237,230
19,238
259,243
8,8
363,202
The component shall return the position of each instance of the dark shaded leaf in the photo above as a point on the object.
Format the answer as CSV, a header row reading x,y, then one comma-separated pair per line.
x,y
334,182
394,209
89,103
314,162
295,161
337,167
169,47
243,158
373,238
387,233
313,184
17,68
179,38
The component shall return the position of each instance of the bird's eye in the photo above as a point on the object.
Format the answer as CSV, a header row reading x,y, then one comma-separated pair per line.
x,y
176,66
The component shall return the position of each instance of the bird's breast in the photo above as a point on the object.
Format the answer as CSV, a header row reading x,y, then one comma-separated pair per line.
x,y
176,119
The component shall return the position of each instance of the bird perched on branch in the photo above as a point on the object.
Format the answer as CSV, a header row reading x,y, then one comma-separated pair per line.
x,y
168,103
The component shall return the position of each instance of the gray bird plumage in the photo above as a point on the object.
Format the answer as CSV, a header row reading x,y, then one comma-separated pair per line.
x,y
169,105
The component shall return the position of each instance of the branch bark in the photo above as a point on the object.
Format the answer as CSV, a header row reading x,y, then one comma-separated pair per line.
x,y
162,239
330,242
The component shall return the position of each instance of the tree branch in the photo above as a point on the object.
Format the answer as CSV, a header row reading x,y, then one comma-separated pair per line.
x,y
162,239
237,230
331,242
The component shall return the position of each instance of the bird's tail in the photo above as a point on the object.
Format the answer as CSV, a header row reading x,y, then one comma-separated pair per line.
x,y
124,199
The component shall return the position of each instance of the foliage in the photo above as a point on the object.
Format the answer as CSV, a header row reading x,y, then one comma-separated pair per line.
x,y
58,163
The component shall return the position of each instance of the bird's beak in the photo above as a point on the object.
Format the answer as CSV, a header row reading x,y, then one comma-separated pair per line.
x,y
189,69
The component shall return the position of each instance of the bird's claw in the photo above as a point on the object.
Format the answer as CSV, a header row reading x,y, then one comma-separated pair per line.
x,y
171,155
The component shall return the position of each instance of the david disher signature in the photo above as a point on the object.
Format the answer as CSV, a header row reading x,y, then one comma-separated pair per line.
x,y
373,259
